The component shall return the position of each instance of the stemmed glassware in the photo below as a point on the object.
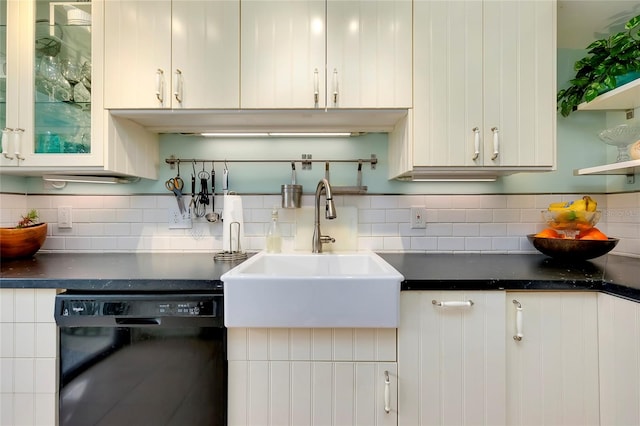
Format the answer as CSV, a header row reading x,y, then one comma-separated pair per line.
x,y
620,137
72,72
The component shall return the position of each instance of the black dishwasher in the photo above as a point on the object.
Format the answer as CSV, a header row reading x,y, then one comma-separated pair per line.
x,y
141,359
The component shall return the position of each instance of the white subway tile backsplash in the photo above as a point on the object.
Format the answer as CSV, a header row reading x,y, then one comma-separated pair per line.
x,y
398,215
477,244
451,243
424,243
372,216
450,215
455,223
384,229
493,229
465,229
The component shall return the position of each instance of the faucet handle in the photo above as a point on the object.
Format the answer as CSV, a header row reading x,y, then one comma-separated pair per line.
x,y
327,239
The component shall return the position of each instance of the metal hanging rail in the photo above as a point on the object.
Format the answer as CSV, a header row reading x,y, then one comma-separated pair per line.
x,y
306,161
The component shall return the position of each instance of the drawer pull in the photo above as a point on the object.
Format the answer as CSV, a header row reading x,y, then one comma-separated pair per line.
x,y
387,393
476,143
453,303
518,336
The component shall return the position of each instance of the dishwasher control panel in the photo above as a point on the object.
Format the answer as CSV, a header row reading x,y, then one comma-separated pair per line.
x,y
69,306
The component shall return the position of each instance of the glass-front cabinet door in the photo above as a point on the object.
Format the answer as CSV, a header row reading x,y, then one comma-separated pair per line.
x,y
62,61
54,125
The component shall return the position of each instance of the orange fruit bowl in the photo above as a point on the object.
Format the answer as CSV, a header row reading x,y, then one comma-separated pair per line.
x,y
572,249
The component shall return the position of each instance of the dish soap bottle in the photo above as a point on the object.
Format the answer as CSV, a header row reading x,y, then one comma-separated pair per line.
x,y
274,239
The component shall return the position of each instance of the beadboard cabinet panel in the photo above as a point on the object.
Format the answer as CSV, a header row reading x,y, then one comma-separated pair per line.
x,y
552,373
162,54
451,360
280,393
619,336
326,54
312,344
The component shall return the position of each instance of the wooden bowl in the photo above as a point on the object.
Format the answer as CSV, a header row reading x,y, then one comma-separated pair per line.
x,y
570,249
22,242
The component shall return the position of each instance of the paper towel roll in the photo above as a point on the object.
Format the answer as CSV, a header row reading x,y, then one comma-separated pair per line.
x,y
232,212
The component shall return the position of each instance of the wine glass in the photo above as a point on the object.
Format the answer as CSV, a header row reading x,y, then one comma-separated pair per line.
x,y
51,79
72,72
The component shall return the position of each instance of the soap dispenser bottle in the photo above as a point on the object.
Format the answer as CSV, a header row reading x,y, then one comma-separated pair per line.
x,y
274,238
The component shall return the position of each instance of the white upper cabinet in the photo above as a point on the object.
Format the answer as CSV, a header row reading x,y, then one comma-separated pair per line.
x,y
333,54
171,54
54,96
282,60
369,54
484,88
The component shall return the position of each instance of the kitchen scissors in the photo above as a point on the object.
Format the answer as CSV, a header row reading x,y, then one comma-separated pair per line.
x,y
175,185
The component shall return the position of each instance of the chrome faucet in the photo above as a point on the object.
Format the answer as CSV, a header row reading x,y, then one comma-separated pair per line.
x,y
330,213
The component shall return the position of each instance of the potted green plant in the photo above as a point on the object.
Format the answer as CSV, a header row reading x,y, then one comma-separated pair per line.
x,y
25,239
601,70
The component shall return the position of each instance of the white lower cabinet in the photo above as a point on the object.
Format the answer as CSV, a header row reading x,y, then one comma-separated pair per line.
x,y
28,352
552,372
312,377
451,358
619,337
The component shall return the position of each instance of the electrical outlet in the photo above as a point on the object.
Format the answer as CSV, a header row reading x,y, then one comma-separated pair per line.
x,y
64,217
178,220
418,219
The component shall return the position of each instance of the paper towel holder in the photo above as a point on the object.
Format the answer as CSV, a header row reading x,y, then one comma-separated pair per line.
x,y
231,255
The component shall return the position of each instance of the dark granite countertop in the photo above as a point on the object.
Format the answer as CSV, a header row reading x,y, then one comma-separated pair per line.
x,y
184,272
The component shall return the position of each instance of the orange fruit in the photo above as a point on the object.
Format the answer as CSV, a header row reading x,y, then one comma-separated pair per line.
x,y
592,234
549,233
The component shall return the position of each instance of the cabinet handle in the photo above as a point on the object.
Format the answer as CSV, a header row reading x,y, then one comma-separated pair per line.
x,y
178,86
17,143
387,393
160,85
476,143
496,143
6,143
518,336
316,88
335,87
453,303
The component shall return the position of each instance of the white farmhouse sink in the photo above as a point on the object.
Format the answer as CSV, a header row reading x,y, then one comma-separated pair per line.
x,y
354,289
